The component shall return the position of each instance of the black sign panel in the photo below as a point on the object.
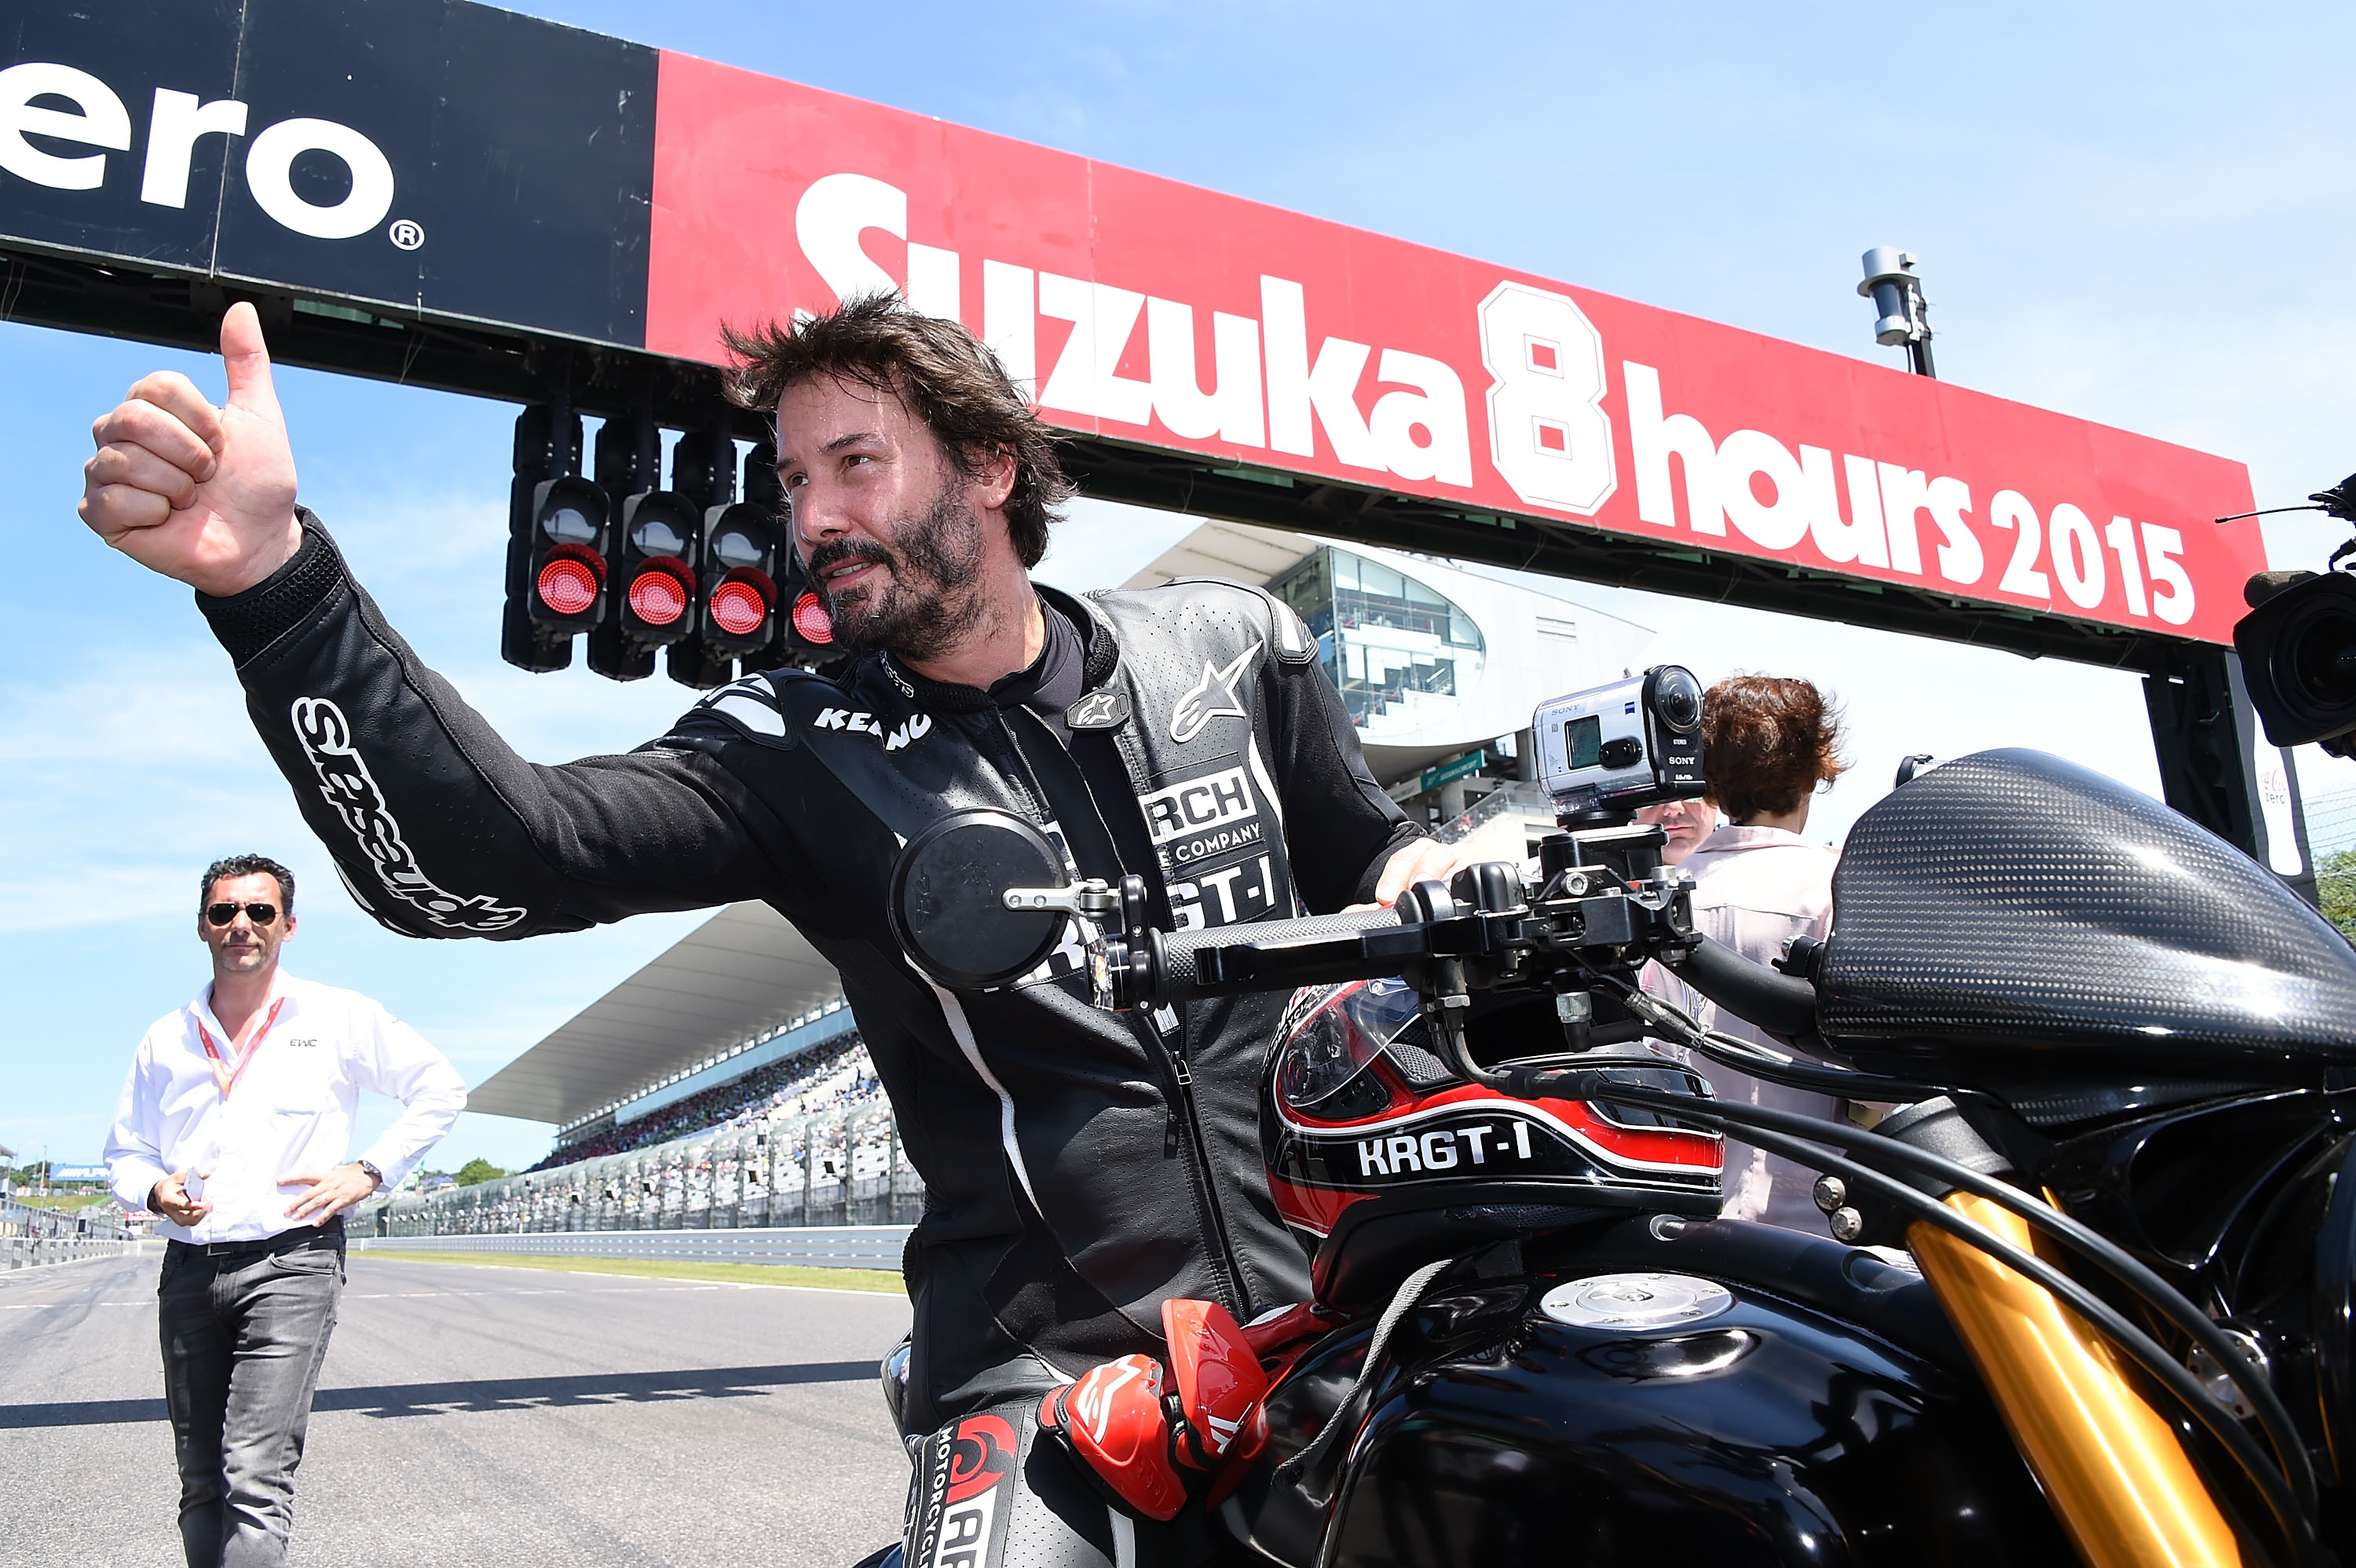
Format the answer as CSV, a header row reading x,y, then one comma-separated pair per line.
x,y
440,158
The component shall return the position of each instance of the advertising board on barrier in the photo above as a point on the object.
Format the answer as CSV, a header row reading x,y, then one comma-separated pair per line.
x,y
449,160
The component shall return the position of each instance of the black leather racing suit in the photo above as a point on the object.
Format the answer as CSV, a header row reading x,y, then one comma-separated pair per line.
x,y
1079,1166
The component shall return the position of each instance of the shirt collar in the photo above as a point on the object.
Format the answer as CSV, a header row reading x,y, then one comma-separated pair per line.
x,y
1727,837
281,991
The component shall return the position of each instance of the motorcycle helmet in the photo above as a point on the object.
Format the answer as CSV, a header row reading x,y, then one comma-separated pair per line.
x,y
1357,1107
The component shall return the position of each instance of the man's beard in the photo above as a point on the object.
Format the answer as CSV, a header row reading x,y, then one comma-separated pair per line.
x,y
934,598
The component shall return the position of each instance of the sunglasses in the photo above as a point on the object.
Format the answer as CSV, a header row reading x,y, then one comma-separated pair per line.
x,y
222,915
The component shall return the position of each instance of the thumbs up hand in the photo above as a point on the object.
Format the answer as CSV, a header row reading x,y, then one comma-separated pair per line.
x,y
201,494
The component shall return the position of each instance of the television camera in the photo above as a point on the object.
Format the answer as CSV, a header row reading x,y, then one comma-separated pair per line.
x,y
2298,645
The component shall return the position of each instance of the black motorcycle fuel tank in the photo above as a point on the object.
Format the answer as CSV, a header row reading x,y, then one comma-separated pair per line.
x,y
2011,918
1640,1399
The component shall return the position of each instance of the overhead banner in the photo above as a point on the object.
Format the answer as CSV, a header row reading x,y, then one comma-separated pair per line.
x,y
455,161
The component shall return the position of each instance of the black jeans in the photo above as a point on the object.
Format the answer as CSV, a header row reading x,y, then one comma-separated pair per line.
x,y
243,1333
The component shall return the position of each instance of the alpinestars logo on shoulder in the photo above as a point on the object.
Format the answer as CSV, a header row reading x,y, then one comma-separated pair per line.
x,y
1213,696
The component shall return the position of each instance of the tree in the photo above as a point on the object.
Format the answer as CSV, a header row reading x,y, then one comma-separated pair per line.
x,y
2335,880
476,1170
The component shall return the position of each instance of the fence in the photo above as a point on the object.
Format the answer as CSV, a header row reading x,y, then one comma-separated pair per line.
x,y
837,1168
823,1246
33,1236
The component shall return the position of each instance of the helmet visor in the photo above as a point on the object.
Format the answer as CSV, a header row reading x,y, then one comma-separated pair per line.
x,y
1334,1045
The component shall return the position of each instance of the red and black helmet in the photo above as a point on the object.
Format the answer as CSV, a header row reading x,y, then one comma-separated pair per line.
x,y
1356,1106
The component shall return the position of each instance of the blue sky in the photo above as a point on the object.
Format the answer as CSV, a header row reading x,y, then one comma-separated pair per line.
x,y
2138,215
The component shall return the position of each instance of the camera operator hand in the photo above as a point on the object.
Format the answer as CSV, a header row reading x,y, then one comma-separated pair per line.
x,y
199,493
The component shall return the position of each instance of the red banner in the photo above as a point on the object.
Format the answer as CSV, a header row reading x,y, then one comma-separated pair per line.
x,y
1146,311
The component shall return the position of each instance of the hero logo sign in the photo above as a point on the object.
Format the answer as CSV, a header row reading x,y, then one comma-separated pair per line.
x,y
99,119
345,781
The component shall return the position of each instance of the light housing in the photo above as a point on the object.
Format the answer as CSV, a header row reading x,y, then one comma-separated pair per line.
x,y
742,545
655,561
566,570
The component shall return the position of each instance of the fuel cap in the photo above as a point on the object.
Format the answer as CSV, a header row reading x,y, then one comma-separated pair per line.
x,y
1636,1301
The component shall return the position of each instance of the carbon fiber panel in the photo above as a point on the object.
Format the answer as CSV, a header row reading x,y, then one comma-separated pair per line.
x,y
2010,903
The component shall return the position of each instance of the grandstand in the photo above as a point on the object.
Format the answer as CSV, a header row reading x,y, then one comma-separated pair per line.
x,y
835,1072
810,1141
723,1085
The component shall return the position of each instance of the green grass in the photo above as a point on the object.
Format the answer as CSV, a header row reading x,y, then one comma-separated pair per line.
x,y
878,1280
63,1201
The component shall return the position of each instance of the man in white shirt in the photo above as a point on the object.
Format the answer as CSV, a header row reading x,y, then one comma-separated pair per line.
x,y
233,1126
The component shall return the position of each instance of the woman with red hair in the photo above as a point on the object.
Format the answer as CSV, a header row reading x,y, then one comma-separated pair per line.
x,y
1769,744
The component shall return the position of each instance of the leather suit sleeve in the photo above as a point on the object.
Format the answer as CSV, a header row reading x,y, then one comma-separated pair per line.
x,y
1340,829
439,828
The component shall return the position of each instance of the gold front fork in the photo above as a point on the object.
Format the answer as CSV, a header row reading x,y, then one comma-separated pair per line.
x,y
2113,1470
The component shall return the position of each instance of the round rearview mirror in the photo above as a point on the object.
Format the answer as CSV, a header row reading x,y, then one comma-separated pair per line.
x,y
949,906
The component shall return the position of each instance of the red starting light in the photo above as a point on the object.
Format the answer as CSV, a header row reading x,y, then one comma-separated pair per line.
x,y
658,598
738,607
568,585
811,623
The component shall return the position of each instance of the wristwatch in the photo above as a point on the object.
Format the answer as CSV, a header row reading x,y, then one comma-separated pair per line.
x,y
374,1174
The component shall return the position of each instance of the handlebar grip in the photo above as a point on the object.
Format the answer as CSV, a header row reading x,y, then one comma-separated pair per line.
x,y
1781,1004
1179,974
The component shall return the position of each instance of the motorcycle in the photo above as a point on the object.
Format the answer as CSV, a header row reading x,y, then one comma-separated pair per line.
x,y
2090,1296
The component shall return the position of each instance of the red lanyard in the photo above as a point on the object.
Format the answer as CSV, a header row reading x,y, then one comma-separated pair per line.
x,y
223,1074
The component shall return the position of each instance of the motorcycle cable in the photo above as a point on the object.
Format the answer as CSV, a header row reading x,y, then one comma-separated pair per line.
x,y
2296,1521
1746,1056
2293,1468
2146,1284
1370,1371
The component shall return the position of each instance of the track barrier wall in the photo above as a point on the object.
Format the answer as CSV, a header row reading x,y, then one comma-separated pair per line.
x,y
30,1237
816,1246
839,1168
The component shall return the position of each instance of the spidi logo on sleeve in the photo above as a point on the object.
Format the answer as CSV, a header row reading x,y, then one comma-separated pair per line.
x,y
351,792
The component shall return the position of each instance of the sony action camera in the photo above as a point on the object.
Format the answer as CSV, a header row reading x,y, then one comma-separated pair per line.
x,y
1637,743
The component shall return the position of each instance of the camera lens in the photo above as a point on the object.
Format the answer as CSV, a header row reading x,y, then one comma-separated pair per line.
x,y
2323,657
1677,699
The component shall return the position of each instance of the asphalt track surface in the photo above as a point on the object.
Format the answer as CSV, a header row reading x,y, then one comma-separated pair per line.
x,y
478,1417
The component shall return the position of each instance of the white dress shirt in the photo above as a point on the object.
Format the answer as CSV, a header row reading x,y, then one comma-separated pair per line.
x,y
289,1111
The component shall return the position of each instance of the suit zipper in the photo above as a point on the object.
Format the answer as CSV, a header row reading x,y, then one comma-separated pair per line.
x,y
1223,1248
1210,1217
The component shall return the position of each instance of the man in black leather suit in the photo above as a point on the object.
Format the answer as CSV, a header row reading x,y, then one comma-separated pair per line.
x,y
1080,1166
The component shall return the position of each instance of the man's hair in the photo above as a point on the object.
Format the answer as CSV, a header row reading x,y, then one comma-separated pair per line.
x,y
247,866
1766,744
943,374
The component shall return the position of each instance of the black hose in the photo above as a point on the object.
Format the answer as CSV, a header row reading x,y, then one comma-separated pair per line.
x,y
1844,1082
2091,1245
2274,1486
2097,1248
1781,1004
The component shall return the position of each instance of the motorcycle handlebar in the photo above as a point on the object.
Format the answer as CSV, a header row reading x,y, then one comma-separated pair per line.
x,y
1781,1004
1180,977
